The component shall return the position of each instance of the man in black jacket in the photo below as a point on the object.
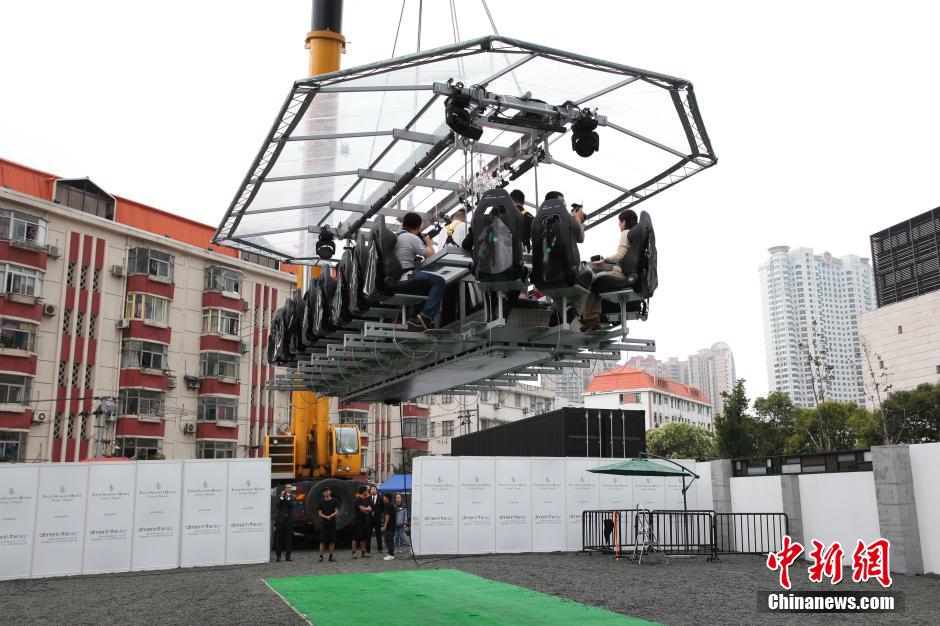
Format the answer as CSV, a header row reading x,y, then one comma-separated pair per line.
x,y
284,523
375,523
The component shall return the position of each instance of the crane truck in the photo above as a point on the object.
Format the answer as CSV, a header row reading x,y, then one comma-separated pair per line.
x,y
313,453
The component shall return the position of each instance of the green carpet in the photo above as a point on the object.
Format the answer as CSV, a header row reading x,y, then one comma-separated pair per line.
x,y
430,597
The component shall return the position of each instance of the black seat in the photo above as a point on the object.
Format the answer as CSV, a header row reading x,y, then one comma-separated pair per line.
x,y
556,260
346,295
317,303
639,266
497,247
278,352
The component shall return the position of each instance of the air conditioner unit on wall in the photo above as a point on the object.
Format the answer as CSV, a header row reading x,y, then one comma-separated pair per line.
x,y
245,305
39,418
123,324
117,270
192,382
48,310
171,381
496,405
53,252
189,428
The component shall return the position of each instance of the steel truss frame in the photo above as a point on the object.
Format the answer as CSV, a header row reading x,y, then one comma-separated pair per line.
x,y
383,362
419,169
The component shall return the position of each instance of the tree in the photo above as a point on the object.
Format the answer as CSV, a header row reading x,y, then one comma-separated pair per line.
x,y
815,355
892,430
680,441
775,423
832,426
914,414
734,428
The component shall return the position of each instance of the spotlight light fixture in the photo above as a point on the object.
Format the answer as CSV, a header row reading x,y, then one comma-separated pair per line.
x,y
458,117
326,244
584,139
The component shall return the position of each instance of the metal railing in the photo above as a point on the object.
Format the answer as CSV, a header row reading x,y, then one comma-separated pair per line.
x,y
750,533
702,533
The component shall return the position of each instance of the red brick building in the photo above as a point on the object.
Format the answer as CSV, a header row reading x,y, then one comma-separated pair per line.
x,y
123,331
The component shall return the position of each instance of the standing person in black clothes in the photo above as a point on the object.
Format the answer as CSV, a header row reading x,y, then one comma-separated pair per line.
x,y
327,511
389,520
378,511
518,198
284,523
362,527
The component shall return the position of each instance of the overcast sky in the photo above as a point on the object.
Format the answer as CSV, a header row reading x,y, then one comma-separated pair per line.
x,y
824,116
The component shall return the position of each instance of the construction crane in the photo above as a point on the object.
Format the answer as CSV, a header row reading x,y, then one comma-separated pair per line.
x,y
313,453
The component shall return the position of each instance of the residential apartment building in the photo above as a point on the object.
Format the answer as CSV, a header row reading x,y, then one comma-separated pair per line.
x,y
811,305
124,332
903,333
568,385
663,401
710,370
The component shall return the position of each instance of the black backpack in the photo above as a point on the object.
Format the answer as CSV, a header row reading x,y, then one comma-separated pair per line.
x,y
497,247
555,255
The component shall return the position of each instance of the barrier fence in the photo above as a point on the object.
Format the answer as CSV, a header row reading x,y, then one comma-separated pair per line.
x,y
702,533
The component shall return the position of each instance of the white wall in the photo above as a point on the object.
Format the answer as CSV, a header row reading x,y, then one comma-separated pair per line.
x,y
70,518
838,507
925,471
756,494
478,505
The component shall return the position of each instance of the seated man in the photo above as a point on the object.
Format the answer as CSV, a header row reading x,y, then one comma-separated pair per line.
x,y
591,316
409,246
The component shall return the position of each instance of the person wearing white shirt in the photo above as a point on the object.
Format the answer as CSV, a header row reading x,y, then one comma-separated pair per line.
x,y
453,234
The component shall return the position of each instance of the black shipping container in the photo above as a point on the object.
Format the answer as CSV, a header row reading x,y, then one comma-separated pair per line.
x,y
607,433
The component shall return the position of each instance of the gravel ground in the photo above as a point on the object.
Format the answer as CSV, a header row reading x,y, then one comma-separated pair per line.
x,y
686,591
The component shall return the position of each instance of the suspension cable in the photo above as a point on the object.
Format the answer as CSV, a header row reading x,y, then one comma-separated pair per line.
x,y
398,30
420,15
490,16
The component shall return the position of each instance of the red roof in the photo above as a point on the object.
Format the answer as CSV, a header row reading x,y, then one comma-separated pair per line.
x,y
626,378
40,184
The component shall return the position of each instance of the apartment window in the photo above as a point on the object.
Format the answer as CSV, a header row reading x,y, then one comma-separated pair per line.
x,y
220,321
218,364
415,427
433,430
138,447
18,335
223,279
517,399
22,227
259,259
216,409
144,355
359,418
14,389
92,319
215,449
447,428
143,306
85,196
141,402
150,262
20,280
12,446
447,398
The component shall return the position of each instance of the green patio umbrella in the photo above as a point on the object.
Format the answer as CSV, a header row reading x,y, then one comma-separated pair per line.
x,y
639,467
645,467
